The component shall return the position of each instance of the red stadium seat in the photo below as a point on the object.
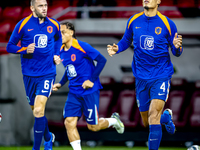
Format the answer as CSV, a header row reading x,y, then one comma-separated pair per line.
x,y
12,13
105,100
53,10
64,3
178,83
1,10
167,3
69,15
194,109
128,82
172,13
3,50
107,82
176,104
124,2
197,85
26,12
4,29
186,3
126,106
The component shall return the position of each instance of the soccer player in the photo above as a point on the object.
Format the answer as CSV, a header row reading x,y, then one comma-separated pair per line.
x,y
151,33
78,58
41,41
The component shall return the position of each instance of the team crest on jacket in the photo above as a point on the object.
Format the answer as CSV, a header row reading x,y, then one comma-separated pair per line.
x,y
73,57
158,30
50,29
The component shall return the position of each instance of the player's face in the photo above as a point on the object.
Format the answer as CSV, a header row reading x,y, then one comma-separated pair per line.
x,y
67,34
151,4
40,8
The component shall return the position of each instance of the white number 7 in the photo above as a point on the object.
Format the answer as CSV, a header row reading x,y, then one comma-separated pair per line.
x,y
90,114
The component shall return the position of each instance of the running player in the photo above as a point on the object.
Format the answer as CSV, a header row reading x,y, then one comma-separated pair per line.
x,y
41,41
78,58
151,33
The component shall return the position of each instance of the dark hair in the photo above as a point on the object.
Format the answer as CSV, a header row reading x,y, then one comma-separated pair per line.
x,y
69,26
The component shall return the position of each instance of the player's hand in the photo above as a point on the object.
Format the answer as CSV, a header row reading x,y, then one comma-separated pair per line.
x,y
56,86
30,48
87,84
57,59
112,49
177,40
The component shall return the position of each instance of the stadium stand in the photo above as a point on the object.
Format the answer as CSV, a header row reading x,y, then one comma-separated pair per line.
x,y
126,105
12,13
176,102
194,110
108,82
128,82
178,83
26,12
5,27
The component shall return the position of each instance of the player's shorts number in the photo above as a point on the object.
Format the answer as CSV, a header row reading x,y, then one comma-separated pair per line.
x,y
46,84
90,113
162,87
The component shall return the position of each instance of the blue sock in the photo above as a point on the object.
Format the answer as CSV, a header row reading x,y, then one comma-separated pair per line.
x,y
39,127
47,135
155,136
164,118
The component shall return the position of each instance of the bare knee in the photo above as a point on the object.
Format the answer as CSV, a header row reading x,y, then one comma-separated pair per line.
x,y
70,122
93,128
38,112
154,117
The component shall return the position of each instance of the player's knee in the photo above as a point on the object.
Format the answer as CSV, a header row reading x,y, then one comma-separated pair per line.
x,y
154,117
93,128
69,123
38,112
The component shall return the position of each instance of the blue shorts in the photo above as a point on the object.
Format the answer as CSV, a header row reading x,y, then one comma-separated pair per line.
x,y
38,86
152,89
86,104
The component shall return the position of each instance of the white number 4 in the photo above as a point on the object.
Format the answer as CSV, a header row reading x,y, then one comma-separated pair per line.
x,y
163,86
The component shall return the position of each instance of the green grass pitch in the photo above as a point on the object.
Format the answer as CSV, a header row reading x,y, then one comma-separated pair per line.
x,y
95,148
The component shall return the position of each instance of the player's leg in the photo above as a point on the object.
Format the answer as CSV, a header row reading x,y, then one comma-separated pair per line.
x,y
72,111
44,87
91,110
40,122
72,132
158,94
144,116
155,128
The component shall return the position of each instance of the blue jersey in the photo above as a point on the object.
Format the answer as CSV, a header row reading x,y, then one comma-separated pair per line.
x,y
47,39
78,61
151,37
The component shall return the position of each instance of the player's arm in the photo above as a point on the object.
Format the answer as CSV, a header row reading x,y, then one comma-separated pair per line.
x,y
175,40
64,79
124,43
99,58
57,46
13,41
101,61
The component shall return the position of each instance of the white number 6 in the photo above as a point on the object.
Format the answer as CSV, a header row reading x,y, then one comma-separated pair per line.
x,y
46,84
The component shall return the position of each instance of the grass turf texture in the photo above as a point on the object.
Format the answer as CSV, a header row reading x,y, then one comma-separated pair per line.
x,y
95,148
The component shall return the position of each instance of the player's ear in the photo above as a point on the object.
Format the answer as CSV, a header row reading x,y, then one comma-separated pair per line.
x,y
32,8
158,2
